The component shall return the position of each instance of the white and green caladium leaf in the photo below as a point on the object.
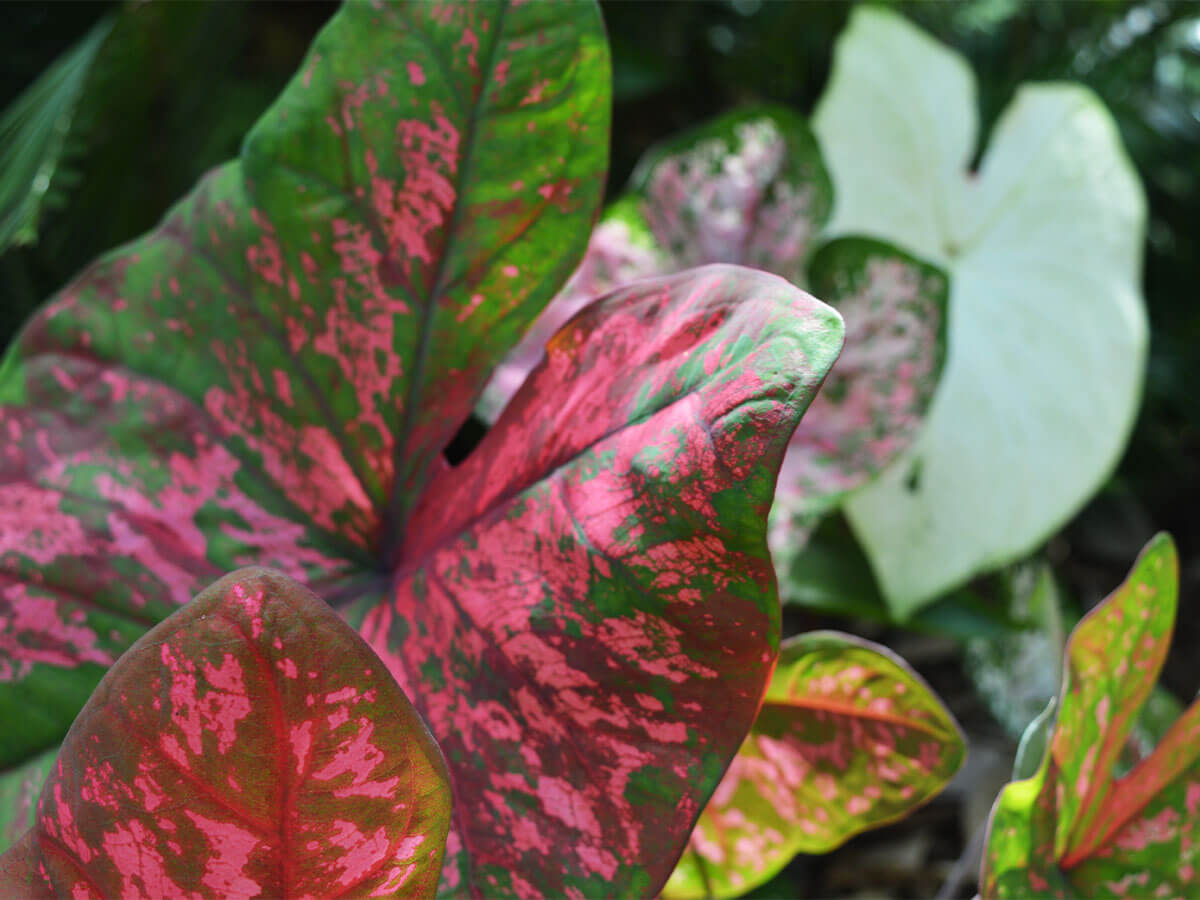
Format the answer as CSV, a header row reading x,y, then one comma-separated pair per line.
x,y
1047,326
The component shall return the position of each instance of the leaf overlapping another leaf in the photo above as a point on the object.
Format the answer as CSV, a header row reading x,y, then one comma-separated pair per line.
x,y
249,745
1042,246
268,376
592,615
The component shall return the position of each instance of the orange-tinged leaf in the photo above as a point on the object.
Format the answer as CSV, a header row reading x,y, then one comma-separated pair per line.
x,y
848,738
1077,826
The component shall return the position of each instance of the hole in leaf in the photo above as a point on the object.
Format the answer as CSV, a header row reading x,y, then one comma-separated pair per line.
x,y
466,439
913,481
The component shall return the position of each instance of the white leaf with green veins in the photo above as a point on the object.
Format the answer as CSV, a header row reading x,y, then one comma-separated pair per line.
x,y
1047,326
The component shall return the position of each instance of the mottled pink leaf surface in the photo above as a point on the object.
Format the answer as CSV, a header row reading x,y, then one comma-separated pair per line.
x,y
1075,828
590,615
270,376
751,188
251,745
848,738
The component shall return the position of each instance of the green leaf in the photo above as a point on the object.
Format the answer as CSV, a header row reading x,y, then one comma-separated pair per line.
x,y
1077,826
33,131
848,738
1047,333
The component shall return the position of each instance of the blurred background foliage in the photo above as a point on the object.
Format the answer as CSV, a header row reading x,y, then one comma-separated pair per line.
x,y
112,110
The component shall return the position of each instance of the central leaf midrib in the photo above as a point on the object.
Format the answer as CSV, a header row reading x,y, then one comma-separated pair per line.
x,y
400,502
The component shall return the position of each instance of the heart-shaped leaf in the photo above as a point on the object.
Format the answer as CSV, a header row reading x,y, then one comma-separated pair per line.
x,y
271,375
590,615
1075,828
848,738
1043,249
249,745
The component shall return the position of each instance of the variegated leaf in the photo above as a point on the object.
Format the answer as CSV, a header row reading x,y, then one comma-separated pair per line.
x,y
848,738
590,616
1076,826
249,745
270,376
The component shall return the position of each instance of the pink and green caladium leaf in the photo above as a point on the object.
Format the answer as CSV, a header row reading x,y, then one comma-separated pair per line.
x,y
873,404
19,790
1075,828
590,615
848,738
270,376
249,745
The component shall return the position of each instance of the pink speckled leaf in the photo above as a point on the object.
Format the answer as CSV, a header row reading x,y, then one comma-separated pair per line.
x,y
874,402
1077,824
848,738
270,376
748,187
249,745
590,614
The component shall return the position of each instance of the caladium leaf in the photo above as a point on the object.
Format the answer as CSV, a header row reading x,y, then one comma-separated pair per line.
x,y
848,738
580,599
249,745
1043,249
590,616
1075,828
873,404
270,375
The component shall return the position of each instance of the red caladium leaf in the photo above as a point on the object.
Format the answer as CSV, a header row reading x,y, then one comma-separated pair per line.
x,y
848,738
270,376
1074,828
249,745
590,615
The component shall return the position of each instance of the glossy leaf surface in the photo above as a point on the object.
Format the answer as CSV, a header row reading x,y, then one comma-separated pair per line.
x,y
1043,249
848,738
249,745
1075,828
591,615
270,376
